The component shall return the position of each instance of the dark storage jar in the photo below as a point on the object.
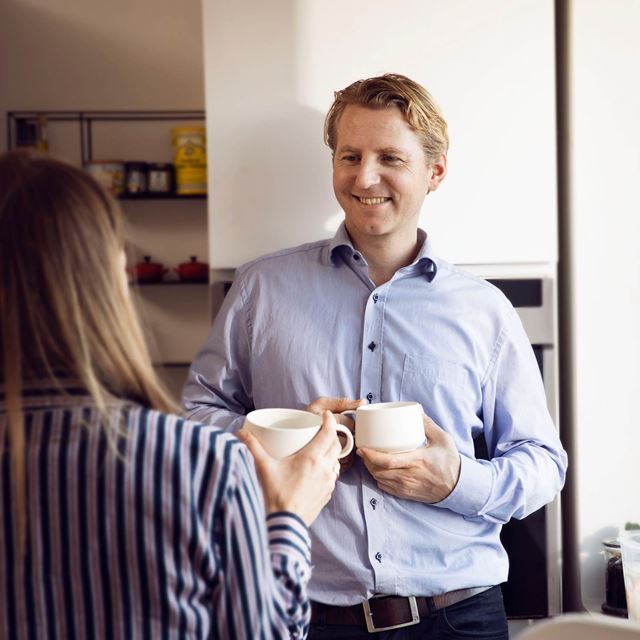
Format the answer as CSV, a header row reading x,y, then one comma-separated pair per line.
x,y
135,178
615,595
161,178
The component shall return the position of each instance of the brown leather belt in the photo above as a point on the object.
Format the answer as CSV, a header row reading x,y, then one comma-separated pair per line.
x,y
388,612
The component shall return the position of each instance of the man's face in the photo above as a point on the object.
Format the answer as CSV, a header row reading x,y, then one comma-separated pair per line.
x,y
380,173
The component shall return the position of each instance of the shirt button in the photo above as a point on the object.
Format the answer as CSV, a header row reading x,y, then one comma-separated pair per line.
x,y
371,346
375,297
378,557
373,502
369,396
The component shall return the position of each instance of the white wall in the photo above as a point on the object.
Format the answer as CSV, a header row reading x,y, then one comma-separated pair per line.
x,y
605,224
271,69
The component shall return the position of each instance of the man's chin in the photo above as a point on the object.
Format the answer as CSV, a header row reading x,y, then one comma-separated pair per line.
x,y
376,228
369,228
376,231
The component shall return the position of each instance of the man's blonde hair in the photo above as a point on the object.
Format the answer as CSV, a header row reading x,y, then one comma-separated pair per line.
x,y
392,89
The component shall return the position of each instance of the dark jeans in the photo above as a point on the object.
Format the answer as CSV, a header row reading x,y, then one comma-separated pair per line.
x,y
480,616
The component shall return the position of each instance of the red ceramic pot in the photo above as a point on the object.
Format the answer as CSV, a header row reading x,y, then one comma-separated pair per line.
x,y
148,271
193,271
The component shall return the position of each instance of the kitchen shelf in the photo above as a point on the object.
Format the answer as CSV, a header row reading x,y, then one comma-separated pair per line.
x,y
17,120
169,283
160,196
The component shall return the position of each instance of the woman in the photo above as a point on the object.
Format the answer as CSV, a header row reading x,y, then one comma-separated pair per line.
x,y
118,519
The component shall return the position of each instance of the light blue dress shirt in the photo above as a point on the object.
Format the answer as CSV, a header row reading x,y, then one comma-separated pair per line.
x,y
308,322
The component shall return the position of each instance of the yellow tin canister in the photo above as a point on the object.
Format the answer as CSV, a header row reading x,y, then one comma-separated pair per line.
x,y
190,160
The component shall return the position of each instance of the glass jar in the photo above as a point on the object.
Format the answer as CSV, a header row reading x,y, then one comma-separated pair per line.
x,y
135,180
615,596
161,178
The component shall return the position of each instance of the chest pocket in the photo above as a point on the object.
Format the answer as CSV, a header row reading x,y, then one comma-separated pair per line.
x,y
425,379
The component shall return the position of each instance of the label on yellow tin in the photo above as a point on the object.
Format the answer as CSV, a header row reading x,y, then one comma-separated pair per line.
x,y
190,160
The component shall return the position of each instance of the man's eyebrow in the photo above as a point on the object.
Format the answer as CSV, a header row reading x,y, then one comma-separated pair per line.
x,y
393,150
347,148
384,150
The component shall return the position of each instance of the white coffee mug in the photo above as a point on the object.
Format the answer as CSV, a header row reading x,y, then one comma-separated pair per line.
x,y
391,427
285,431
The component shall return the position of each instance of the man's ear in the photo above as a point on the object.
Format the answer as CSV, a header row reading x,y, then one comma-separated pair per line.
x,y
438,172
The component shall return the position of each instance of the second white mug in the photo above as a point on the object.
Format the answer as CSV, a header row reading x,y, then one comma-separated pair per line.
x,y
391,427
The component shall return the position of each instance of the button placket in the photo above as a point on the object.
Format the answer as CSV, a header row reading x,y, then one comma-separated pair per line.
x,y
377,531
370,388
371,353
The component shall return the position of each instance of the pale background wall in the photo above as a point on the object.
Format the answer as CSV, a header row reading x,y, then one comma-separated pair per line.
x,y
606,274
490,65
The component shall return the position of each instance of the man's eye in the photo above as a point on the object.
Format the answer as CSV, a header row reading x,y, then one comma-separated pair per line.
x,y
349,158
390,159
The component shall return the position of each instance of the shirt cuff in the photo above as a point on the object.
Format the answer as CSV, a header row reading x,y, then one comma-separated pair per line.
x,y
473,489
289,535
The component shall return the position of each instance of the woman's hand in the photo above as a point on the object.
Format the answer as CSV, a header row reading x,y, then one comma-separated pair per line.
x,y
303,482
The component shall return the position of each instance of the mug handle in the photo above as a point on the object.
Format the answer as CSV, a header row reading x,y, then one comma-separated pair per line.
x,y
346,450
349,411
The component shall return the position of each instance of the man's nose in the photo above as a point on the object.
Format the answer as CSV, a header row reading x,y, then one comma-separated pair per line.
x,y
368,175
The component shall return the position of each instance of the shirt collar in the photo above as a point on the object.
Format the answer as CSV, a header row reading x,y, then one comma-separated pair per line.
x,y
342,247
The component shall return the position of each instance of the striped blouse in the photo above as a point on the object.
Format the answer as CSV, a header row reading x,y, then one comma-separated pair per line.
x,y
156,531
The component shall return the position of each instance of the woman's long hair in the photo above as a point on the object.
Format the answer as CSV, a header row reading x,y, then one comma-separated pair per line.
x,y
65,310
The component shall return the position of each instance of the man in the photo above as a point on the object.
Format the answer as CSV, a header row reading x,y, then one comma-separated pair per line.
x,y
373,313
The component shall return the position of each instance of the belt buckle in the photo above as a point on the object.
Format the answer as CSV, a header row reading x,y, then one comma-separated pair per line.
x,y
371,627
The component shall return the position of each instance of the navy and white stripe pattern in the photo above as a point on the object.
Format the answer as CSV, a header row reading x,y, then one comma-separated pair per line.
x,y
158,533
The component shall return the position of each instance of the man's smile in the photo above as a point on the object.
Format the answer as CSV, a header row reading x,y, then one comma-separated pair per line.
x,y
371,201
